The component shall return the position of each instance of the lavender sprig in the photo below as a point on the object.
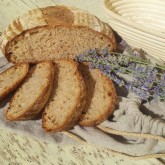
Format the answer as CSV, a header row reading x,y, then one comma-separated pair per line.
x,y
148,80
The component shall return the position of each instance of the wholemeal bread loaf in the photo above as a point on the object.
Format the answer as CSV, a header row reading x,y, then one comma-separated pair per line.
x,y
11,78
67,101
33,94
51,43
101,97
52,16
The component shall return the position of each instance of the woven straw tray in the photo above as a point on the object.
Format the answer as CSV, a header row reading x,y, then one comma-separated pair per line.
x,y
140,22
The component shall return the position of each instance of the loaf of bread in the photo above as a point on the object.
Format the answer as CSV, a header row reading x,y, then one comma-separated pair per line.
x,y
11,78
101,97
67,101
51,43
52,16
50,26
33,94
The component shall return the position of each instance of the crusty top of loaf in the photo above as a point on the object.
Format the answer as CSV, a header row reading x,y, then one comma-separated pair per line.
x,y
52,16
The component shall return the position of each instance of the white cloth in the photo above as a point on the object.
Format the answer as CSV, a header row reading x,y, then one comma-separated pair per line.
x,y
130,116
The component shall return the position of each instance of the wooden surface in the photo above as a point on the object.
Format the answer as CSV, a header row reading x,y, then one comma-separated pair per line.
x,y
21,150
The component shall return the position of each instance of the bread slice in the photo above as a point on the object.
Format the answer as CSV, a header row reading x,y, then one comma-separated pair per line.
x,y
57,42
33,94
53,16
11,78
67,101
101,97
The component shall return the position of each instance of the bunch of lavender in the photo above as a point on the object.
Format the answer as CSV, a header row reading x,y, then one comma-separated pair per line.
x,y
147,79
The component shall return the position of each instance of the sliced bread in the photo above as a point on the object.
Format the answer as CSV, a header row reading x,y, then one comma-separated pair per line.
x,y
101,97
33,94
11,78
57,42
67,101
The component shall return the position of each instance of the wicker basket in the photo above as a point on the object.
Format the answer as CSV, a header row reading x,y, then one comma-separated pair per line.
x,y
140,22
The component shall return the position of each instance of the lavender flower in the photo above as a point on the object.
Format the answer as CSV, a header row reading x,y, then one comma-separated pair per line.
x,y
148,80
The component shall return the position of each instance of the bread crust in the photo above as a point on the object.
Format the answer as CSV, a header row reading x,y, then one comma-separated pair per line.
x,y
52,16
58,15
11,88
38,104
109,109
111,44
74,115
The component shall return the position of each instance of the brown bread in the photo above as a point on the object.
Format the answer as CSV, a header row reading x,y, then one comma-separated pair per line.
x,y
101,97
67,101
53,16
11,78
51,43
33,94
